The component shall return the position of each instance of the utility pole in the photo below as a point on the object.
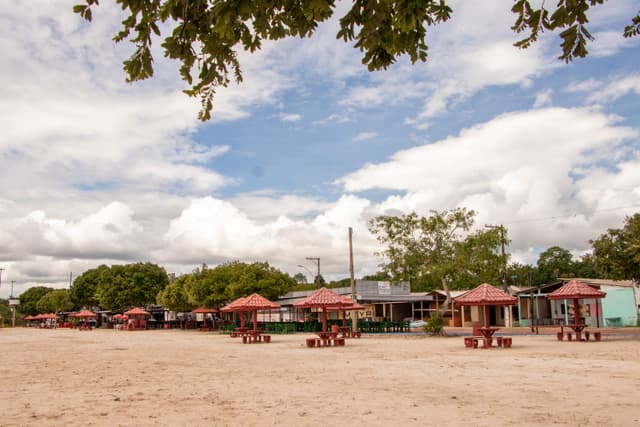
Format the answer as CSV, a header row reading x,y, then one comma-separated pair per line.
x,y
505,286
1,270
13,308
317,259
354,316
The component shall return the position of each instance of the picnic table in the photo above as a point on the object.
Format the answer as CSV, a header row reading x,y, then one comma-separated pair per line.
x,y
325,339
255,336
579,330
486,337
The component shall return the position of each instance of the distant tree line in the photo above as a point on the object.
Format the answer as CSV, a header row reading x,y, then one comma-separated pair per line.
x,y
434,252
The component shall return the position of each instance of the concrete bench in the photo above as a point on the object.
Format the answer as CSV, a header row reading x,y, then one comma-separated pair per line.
x,y
474,341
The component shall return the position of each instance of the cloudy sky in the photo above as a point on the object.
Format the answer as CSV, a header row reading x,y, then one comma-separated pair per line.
x,y
95,170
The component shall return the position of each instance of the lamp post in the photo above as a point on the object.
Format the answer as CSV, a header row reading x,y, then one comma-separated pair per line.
x,y
505,287
317,259
308,271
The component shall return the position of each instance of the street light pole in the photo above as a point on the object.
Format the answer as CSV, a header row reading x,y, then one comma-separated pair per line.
x,y
505,287
317,259
308,271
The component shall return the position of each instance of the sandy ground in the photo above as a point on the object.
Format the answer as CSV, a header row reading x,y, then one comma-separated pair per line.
x,y
188,378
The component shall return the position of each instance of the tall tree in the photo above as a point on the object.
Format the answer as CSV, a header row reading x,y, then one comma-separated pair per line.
x,y
617,252
55,302
29,299
213,287
206,35
439,250
175,295
130,285
555,262
84,287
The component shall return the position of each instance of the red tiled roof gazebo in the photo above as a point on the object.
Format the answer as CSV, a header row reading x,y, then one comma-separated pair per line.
x,y
231,307
486,295
137,318
575,290
326,299
255,302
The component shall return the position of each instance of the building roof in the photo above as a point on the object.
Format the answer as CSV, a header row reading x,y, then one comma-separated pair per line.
x,y
576,289
486,294
322,297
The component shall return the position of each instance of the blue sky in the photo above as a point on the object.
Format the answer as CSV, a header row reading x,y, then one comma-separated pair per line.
x,y
99,171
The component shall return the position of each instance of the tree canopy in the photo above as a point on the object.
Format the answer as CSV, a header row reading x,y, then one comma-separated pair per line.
x,y
29,299
213,287
119,286
617,252
439,250
205,36
55,302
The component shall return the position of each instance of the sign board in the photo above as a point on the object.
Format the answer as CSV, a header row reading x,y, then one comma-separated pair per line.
x,y
384,288
14,301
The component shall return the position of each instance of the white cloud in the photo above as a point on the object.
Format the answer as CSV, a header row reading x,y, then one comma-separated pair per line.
x,y
616,89
518,167
364,136
289,117
544,98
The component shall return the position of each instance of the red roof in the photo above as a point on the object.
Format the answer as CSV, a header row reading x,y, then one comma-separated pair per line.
x,y
323,297
83,313
576,289
351,305
256,302
137,311
485,294
232,306
204,310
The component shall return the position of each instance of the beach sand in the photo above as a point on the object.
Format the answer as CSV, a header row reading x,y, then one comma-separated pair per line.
x,y
186,378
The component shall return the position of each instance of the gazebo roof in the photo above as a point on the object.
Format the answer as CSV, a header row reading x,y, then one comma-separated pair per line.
x,y
323,297
233,305
256,302
204,310
352,305
486,294
137,311
83,313
576,289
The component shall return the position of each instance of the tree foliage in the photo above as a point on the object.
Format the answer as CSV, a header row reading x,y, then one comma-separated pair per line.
x,y
83,289
175,295
555,262
29,299
55,302
439,250
213,287
124,286
205,36
617,252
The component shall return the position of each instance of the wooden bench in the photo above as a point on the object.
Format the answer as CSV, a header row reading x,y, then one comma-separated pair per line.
x,y
506,342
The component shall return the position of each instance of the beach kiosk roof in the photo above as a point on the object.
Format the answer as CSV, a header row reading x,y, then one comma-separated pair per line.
x,y
204,310
326,299
83,313
137,311
255,302
232,305
486,295
575,290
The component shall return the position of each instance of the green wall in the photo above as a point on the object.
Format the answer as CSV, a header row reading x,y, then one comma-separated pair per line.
x,y
619,308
